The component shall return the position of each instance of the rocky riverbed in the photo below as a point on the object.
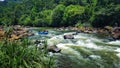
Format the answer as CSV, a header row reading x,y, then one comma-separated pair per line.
x,y
14,32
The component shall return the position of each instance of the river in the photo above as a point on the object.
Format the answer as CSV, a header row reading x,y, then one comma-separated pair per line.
x,y
84,51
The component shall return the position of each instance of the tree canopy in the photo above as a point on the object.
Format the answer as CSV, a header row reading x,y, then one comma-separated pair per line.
x,y
57,13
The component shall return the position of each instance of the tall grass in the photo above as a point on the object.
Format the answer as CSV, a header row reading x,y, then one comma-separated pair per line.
x,y
21,54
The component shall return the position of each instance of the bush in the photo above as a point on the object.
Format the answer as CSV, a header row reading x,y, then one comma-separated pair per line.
x,y
57,15
18,54
72,14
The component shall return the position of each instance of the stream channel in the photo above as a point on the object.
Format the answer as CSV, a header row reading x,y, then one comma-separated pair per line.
x,y
84,51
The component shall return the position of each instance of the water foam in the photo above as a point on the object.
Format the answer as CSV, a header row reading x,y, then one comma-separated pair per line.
x,y
54,40
87,44
117,42
95,56
67,50
118,50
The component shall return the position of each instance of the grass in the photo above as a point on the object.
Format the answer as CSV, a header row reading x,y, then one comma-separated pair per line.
x,y
19,54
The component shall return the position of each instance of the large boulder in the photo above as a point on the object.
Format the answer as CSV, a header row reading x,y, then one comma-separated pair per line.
x,y
50,47
53,49
69,36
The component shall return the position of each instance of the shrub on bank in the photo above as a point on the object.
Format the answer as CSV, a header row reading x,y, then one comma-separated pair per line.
x,y
21,54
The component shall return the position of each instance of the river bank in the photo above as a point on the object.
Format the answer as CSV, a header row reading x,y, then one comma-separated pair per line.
x,y
14,32
17,31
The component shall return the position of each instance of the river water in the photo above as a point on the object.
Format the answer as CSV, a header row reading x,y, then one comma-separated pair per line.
x,y
84,51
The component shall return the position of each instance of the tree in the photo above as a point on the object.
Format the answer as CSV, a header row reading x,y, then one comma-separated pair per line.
x,y
43,18
93,4
73,2
25,20
72,14
57,15
107,16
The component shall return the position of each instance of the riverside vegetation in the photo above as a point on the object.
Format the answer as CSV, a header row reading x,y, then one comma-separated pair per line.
x,y
21,53
97,13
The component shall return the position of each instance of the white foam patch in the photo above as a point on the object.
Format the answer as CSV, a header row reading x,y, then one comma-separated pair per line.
x,y
64,46
118,55
117,50
80,37
88,44
95,56
54,40
117,42
36,33
68,50
96,40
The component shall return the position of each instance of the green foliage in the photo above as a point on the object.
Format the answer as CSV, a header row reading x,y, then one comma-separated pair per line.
x,y
59,12
72,13
73,10
45,17
25,20
20,54
107,16
57,15
92,7
74,2
8,31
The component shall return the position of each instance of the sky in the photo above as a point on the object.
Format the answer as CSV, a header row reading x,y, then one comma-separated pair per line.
x,y
2,0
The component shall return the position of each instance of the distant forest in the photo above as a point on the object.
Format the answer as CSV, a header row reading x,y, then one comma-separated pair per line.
x,y
58,13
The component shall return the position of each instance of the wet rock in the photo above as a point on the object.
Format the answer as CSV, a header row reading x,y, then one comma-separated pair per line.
x,y
88,31
39,41
16,32
75,33
41,44
53,49
79,31
69,36
18,27
116,33
108,28
14,37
